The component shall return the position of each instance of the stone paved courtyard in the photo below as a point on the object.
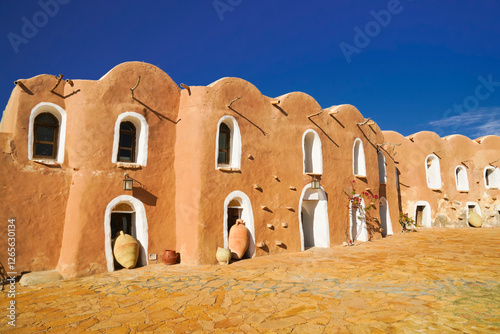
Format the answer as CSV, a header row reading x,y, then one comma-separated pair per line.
x,y
432,281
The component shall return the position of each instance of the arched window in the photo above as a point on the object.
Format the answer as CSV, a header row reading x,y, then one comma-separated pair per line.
x,y
358,159
126,147
224,144
46,132
433,172
228,144
492,177
312,153
130,144
382,173
461,178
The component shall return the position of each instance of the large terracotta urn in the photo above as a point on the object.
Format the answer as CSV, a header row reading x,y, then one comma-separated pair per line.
x,y
126,250
223,255
169,257
238,239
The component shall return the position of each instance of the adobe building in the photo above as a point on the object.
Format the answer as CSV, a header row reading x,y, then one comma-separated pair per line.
x,y
203,156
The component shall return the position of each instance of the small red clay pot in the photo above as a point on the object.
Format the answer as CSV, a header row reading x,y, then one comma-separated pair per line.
x,y
169,257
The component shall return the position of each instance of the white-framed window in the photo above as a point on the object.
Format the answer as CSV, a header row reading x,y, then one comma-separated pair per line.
x,y
130,141
461,178
358,159
228,144
492,177
433,172
47,133
382,171
312,153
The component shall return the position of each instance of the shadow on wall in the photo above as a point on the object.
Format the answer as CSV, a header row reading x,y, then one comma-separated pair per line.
x,y
144,196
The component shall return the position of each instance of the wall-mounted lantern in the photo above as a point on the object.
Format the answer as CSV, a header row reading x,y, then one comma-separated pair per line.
x,y
315,183
128,182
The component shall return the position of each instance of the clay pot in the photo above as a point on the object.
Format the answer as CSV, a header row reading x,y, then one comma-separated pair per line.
x,y
475,220
169,257
238,239
223,255
126,250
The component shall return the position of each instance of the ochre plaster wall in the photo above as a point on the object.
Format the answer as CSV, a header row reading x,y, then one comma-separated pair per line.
x,y
448,205
271,146
60,209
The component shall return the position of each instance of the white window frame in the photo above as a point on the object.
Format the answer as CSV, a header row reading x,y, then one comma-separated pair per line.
x,y
382,170
462,182
433,172
234,146
60,114
358,159
493,179
312,153
141,140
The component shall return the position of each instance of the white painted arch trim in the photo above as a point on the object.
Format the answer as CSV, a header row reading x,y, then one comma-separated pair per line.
x,y
60,114
433,171
312,152
235,143
320,195
246,215
141,140
461,178
141,228
358,158
426,214
384,205
494,178
362,232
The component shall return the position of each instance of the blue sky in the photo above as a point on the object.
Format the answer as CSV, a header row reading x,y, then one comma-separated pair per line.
x,y
409,65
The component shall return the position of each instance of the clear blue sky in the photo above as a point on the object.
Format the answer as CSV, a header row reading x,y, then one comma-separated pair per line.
x,y
410,71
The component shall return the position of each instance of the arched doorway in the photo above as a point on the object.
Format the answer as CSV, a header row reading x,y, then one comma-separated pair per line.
x,y
237,205
385,218
423,214
313,218
357,227
128,214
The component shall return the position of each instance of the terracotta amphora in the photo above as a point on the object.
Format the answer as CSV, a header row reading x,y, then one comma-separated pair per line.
x,y
169,257
126,250
238,239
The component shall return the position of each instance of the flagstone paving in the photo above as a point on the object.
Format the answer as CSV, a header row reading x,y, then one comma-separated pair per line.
x,y
432,281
